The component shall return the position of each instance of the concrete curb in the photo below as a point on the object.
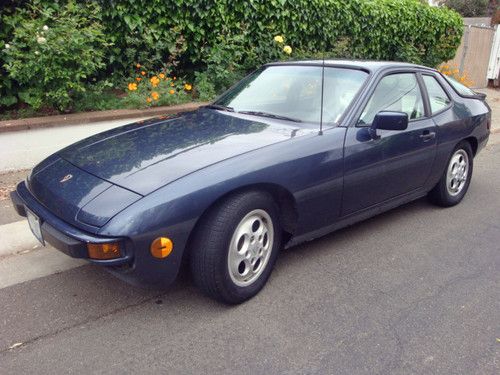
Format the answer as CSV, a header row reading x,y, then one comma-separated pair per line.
x,y
17,237
89,117
33,265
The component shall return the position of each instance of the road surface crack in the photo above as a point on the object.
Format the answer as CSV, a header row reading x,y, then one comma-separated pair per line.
x,y
78,324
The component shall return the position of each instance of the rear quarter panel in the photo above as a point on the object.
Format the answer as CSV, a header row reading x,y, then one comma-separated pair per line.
x,y
467,118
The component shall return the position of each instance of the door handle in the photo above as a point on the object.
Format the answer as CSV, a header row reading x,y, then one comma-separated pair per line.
x,y
427,135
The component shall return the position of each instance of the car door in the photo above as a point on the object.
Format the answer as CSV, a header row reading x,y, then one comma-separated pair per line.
x,y
393,162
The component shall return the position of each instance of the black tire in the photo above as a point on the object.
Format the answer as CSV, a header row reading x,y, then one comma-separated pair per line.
x,y
210,247
440,194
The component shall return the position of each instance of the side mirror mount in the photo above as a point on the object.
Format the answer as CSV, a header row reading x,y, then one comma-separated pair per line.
x,y
388,120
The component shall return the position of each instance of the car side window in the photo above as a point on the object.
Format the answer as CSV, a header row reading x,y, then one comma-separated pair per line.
x,y
340,88
437,96
398,92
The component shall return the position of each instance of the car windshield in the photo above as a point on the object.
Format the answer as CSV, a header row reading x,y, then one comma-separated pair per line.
x,y
293,92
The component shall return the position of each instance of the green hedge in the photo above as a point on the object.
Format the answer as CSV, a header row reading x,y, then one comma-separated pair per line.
x,y
377,29
192,35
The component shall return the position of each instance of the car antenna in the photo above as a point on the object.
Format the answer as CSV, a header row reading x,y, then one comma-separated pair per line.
x,y
322,92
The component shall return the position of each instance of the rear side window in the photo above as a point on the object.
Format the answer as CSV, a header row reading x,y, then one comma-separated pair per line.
x,y
438,98
461,89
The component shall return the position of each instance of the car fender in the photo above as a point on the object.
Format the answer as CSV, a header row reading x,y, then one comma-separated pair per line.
x,y
309,167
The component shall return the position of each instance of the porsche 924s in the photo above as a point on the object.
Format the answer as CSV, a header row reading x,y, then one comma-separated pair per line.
x,y
292,152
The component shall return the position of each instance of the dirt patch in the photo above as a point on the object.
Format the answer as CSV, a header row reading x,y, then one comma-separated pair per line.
x,y
4,191
9,180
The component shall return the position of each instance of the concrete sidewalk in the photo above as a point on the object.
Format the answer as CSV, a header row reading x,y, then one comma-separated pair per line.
x,y
23,149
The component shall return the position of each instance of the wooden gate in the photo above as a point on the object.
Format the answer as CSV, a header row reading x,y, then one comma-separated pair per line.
x,y
473,55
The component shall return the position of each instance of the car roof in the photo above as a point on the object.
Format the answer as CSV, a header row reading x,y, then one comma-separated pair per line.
x,y
370,65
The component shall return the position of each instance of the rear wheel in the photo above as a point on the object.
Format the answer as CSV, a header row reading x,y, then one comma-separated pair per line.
x,y
456,178
235,247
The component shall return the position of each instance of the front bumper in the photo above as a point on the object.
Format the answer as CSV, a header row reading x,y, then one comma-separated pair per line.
x,y
64,237
136,267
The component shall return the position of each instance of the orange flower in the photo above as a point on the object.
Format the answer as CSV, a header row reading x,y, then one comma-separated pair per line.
x,y
172,84
188,87
138,79
155,95
154,81
143,73
175,78
149,100
138,66
132,86
162,76
172,92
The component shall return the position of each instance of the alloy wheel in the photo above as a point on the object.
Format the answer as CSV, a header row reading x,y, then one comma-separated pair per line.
x,y
458,172
250,247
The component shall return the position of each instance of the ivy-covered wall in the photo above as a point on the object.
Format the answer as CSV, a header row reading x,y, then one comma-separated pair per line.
x,y
376,29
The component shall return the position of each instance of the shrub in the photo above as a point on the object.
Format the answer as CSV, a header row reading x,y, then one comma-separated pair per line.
x,y
230,59
452,70
97,96
8,19
53,51
156,88
204,86
213,42
377,29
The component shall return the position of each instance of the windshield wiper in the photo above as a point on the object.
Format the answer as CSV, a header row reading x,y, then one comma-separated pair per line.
x,y
219,107
270,115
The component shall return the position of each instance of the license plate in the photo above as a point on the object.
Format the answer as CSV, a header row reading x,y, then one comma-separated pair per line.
x,y
35,225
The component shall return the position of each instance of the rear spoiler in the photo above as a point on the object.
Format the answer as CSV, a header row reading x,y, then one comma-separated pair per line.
x,y
479,95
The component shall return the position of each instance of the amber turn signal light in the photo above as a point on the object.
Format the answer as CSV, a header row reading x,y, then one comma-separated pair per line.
x,y
161,247
104,251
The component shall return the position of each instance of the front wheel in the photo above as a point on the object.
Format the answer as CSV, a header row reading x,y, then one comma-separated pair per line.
x,y
455,181
235,247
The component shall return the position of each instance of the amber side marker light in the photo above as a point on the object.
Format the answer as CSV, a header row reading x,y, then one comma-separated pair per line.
x,y
161,247
104,251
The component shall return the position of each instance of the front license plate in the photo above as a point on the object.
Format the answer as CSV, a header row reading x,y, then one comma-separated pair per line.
x,y
35,225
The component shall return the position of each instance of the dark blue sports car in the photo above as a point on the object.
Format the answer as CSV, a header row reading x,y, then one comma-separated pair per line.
x,y
292,152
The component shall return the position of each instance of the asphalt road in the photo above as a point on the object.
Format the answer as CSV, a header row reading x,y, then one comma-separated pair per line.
x,y
413,291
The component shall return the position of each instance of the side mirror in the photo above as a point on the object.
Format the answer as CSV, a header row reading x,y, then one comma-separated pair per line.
x,y
387,120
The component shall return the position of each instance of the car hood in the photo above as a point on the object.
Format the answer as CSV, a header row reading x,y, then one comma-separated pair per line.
x,y
143,156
